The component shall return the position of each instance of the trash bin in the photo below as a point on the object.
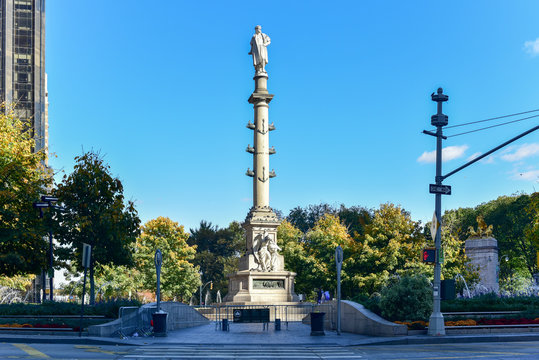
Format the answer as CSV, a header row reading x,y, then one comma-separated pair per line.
x,y
225,325
317,323
277,324
159,323
448,290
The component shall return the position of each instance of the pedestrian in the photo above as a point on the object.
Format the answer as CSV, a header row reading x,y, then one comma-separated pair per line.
x,y
319,296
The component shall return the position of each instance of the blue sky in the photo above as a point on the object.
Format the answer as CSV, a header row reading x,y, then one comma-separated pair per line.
x,y
161,89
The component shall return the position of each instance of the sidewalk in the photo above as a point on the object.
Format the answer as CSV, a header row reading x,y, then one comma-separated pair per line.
x,y
253,335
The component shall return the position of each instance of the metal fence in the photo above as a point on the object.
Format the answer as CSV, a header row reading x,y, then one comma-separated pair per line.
x,y
135,319
286,313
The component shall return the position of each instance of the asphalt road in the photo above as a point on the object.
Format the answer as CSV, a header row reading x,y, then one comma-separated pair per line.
x,y
508,350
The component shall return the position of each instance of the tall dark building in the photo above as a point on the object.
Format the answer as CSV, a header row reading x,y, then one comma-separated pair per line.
x,y
22,63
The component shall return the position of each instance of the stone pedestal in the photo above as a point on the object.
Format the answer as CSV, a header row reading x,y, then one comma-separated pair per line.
x,y
247,287
483,253
256,282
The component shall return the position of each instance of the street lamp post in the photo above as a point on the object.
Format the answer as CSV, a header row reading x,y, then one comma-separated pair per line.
x,y
47,202
202,286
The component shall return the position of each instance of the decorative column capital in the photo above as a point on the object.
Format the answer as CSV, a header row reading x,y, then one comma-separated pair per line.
x,y
256,98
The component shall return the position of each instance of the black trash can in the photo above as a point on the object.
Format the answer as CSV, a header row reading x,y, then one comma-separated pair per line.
x,y
317,323
159,323
277,324
224,326
448,289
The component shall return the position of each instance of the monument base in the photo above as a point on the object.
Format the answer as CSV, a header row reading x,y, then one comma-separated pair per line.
x,y
248,287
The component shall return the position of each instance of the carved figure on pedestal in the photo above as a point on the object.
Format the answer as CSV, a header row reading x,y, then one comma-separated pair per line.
x,y
273,249
259,43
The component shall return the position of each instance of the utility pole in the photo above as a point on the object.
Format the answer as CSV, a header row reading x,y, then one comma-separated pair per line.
x,y
436,322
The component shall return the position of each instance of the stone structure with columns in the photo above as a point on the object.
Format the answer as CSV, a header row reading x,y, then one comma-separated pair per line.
x,y
482,250
261,277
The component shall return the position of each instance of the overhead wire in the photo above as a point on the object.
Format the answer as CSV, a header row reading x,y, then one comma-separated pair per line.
x,y
493,126
490,119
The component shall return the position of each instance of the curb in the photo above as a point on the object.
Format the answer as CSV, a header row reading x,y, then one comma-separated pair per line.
x,y
451,339
371,341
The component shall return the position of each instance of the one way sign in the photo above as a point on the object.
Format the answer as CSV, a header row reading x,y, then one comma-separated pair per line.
x,y
440,189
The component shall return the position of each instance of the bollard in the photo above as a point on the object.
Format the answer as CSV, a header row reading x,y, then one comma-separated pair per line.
x,y
277,324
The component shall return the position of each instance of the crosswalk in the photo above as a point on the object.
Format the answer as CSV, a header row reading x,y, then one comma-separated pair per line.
x,y
239,352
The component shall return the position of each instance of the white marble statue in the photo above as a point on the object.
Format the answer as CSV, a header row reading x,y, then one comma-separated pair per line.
x,y
273,249
259,43
265,251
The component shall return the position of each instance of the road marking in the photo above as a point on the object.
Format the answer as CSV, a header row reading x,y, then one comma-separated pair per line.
x,y
30,350
98,349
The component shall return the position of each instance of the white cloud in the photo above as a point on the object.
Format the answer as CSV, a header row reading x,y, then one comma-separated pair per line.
x,y
532,175
487,160
473,156
522,152
532,47
448,153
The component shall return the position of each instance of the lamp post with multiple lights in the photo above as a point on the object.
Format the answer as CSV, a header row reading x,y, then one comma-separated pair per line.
x,y
47,202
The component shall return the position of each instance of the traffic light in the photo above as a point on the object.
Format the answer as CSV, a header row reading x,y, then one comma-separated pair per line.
x,y
429,255
211,285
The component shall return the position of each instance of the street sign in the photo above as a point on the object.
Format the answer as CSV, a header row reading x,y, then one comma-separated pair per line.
x,y
86,253
440,189
434,225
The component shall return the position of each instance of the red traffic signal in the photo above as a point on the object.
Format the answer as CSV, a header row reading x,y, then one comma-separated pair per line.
x,y
429,255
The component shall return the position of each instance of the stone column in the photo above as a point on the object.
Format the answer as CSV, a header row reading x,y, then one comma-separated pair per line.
x,y
483,253
261,173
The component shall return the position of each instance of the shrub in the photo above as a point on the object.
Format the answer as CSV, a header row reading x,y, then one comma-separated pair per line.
x,y
108,309
408,298
372,302
492,302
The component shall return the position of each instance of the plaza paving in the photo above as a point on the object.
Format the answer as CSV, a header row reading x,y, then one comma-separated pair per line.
x,y
254,335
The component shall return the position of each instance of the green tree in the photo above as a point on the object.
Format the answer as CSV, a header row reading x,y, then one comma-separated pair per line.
x,y
23,177
511,218
453,241
312,255
96,214
179,278
218,251
391,246
354,218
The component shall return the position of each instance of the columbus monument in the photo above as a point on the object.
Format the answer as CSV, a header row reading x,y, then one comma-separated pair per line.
x,y
261,277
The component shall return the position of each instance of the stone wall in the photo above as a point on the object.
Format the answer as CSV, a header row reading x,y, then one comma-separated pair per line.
x,y
179,316
355,318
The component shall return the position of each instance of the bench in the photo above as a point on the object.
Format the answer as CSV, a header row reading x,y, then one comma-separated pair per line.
x,y
252,316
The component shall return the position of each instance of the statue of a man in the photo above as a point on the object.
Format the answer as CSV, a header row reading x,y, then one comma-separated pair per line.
x,y
259,43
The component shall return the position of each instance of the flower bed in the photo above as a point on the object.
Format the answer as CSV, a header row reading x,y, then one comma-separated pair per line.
x,y
37,326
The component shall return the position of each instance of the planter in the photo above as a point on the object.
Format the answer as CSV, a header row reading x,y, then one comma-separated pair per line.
x,y
317,323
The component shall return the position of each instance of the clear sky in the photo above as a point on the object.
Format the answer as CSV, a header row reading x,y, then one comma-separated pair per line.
x,y
160,88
